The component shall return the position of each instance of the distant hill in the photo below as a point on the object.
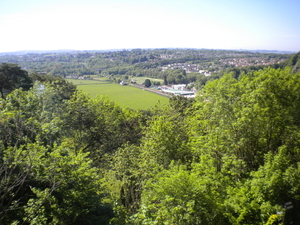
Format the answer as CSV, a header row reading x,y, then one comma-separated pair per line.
x,y
272,51
25,52
293,62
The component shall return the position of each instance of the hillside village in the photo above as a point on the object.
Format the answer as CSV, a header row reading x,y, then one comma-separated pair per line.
x,y
250,61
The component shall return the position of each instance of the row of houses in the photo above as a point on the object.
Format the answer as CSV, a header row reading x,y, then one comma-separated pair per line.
x,y
189,68
250,61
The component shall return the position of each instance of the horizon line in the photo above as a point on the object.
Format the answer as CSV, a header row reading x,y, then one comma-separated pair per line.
x,y
120,49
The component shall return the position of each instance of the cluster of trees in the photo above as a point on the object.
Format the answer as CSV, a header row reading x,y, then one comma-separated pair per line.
x,y
230,156
55,145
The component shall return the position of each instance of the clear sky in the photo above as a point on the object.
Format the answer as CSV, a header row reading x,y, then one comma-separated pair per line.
x,y
122,24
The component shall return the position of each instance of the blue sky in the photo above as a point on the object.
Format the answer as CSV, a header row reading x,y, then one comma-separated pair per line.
x,y
121,24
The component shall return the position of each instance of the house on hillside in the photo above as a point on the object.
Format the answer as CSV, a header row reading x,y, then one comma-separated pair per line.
x,y
123,83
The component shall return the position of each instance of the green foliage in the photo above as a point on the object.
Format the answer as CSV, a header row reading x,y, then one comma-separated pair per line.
x,y
147,83
56,186
124,180
275,219
12,77
181,104
66,89
231,156
180,196
266,191
175,76
293,62
165,140
44,180
99,125
30,117
249,117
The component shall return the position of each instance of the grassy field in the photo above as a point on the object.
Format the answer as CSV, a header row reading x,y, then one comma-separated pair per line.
x,y
141,80
87,82
126,96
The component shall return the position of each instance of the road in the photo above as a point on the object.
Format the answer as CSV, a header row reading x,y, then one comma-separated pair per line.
x,y
152,90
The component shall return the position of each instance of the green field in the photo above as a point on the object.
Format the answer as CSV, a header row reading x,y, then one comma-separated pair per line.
x,y
126,96
141,80
87,82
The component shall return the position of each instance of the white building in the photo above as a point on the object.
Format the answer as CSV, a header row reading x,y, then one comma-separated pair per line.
x,y
179,86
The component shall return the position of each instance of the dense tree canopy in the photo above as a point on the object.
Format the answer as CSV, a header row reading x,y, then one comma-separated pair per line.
x,y
243,139
230,156
12,77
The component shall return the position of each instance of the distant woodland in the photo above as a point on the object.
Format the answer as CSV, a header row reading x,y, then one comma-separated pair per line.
x,y
175,66
229,156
